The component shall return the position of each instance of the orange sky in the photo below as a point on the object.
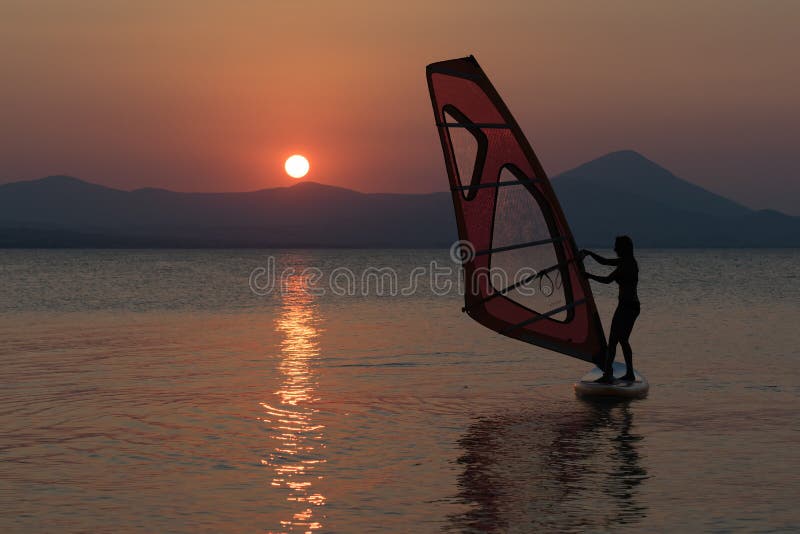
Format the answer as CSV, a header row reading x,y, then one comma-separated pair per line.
x,y
213,96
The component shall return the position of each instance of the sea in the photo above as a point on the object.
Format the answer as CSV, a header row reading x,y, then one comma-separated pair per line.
x,y
345,391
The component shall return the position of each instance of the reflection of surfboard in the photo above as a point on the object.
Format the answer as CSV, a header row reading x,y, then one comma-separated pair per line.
x,y
587,387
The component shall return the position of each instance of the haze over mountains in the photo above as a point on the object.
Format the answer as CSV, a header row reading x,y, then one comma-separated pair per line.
x,y
622,192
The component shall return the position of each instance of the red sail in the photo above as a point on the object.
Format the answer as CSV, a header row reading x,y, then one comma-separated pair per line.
x,y
523,276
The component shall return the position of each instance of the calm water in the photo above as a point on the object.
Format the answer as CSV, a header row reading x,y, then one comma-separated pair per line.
x,y
154,391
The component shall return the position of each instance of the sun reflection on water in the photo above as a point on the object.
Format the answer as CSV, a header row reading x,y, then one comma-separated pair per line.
x,y
298,440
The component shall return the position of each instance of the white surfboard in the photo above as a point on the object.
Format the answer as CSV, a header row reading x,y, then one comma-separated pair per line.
x,y
587,387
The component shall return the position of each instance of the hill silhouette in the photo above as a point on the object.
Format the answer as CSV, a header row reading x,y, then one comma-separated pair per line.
x,y
622,192
626,193
65,211
629,173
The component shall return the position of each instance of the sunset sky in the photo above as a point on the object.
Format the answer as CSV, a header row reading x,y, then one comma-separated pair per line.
x,y
214,96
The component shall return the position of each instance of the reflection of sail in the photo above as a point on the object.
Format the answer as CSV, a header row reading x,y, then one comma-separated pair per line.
x,y
551,470
298,440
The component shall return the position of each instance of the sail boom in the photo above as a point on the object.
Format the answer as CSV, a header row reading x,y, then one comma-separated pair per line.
x,y
545,315
518,284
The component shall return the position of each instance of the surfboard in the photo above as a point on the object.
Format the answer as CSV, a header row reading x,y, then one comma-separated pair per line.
x,y
587,387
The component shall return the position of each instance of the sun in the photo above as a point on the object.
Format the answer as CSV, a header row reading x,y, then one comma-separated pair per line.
x,y
296,166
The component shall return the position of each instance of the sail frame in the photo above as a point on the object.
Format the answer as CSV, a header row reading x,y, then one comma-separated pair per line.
x,y
459,88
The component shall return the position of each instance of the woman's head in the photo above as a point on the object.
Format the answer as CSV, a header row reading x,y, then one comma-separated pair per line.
x,y
623,246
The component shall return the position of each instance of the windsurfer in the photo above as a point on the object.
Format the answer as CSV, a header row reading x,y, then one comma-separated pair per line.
x,y
626,275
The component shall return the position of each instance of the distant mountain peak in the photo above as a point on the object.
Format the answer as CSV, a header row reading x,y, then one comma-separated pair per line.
x,y
628,158
57,183
308,185
624,153
60,179
626,176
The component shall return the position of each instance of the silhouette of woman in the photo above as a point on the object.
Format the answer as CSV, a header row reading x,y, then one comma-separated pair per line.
x,y
626,275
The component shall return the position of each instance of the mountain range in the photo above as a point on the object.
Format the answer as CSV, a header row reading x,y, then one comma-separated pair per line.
x,y
622,192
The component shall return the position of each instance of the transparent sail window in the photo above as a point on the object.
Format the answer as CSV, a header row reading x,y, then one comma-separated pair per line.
x,y
518,220
469,149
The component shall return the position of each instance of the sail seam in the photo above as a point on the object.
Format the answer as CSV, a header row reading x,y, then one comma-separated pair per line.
x,y
519,245
542,316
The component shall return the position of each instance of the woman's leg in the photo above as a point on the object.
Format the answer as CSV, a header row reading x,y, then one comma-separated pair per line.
x,y
611,354
626,328
613,338
628,353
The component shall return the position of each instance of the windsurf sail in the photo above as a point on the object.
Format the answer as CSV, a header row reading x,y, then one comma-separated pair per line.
x,y
522,272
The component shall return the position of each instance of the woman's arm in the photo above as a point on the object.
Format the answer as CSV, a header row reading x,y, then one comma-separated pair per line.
x,y
604,279
600,259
